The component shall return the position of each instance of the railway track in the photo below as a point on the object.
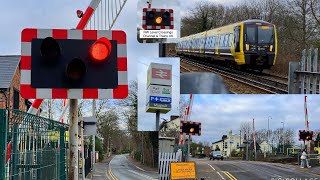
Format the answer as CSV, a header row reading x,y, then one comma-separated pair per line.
x,y
267,83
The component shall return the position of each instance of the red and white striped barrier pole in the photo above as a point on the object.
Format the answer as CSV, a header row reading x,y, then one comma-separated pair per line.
x,y
87,15
64,109
306,122
34,108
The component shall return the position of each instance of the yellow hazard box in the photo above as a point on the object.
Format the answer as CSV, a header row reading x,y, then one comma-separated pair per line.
x,y
183,170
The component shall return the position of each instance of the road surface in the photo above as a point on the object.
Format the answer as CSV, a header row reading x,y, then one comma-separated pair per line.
x,y
249,170
121,168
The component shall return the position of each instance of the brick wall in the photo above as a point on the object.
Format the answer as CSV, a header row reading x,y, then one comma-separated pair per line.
x,y
15,84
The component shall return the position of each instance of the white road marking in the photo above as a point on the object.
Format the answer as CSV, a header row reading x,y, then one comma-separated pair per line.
x,y
220,175
212,167
139,168
143,175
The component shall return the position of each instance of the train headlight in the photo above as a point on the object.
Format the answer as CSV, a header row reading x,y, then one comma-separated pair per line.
x,y
271,47
247,47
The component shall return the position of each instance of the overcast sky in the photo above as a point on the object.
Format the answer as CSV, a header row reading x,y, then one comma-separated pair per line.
x,y
147,121
221,113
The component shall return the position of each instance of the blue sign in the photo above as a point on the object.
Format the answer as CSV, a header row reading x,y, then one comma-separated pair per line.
x,y
158,99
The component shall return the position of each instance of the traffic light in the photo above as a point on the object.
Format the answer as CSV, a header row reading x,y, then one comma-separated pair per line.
x,y
85,60
305,135
188,127
157,19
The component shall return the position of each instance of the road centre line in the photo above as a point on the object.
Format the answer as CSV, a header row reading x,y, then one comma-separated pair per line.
x,y
230,176
211,167
221,176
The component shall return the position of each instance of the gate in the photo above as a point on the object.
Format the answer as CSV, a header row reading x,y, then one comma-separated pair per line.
x,y
304,76
32,147
164,163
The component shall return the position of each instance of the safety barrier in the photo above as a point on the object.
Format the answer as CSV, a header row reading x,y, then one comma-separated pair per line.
x,y
164,163
32,147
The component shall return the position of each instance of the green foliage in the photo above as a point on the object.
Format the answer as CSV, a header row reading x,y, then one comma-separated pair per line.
x,y
235,153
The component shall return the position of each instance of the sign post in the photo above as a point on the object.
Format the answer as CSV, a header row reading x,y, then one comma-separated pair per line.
x,y
159,92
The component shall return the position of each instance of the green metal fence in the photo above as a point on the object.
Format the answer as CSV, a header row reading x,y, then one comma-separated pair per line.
x,y
32,147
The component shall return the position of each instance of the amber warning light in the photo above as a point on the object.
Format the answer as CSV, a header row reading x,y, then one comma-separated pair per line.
x,y
100,50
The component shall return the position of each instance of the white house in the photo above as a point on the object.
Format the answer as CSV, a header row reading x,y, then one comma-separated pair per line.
x,y
265,147
228,143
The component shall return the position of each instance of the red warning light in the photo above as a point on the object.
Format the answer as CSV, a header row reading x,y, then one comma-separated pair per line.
x,y
101,49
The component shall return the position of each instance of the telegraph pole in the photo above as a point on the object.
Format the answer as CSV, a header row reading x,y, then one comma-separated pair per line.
x,y
282,137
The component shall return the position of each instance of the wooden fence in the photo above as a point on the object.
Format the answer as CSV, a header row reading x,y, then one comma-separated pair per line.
x,y
164,163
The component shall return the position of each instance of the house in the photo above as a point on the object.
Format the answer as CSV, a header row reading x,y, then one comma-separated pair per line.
x,y
10,84
166,144
227,144
265,147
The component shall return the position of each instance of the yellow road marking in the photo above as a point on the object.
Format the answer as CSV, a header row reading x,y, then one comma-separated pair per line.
x,y
230,176
113,177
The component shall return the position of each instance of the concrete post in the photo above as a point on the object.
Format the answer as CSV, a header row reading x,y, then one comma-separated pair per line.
x,y
73,140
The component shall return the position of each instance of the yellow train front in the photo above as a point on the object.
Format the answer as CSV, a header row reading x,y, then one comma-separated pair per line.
x,y
250,43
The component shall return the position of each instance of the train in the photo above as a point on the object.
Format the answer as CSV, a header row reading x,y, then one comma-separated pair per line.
x,y
246,44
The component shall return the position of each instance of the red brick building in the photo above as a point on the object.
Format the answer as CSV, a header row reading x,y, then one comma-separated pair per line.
x,y
10,84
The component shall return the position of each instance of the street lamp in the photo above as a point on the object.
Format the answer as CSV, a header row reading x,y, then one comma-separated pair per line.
x,y
282,136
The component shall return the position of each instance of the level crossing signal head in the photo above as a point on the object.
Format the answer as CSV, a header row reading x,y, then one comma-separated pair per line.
x,y
157,19
87,62
305,135
190,128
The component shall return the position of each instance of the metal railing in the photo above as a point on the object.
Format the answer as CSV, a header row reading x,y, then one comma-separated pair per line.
x,y
32,147
304,76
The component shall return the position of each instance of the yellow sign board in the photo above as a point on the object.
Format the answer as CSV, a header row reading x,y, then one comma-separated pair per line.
x,y
183,170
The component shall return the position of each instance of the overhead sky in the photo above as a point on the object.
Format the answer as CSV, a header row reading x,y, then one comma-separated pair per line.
x,y
147,121
221,113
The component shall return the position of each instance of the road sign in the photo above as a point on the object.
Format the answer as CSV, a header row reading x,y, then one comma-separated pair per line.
x,y
162,107
153,19
159,74
73,64
190,128
155,90
183,170
158,99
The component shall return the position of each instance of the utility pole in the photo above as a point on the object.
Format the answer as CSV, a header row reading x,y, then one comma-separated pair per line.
x,y
254,142
268,134
82,149
73,139
93,136
282,137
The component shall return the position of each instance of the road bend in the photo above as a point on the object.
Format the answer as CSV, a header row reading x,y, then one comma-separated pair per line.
x,y
121,168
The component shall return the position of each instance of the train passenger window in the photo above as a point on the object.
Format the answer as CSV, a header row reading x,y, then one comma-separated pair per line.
x,y
226,39
221,40
230,40
213,41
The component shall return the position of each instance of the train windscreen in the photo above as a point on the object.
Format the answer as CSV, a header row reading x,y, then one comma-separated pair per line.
x,y
259,34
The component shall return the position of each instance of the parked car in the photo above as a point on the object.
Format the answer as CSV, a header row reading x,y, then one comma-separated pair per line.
x,y
216,155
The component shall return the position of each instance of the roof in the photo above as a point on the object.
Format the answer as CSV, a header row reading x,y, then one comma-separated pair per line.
x,y
217,141
8,66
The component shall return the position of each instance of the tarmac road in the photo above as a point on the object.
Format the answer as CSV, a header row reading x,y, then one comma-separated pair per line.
x,y
121,168
250,170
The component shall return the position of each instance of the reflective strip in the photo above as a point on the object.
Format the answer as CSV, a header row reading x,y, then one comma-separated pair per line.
x,y
122,77
75,94
122,50
105,94
94,4
144,13
32,110
25,48
144,22
25,77
44,93
74,34
107,34
43,33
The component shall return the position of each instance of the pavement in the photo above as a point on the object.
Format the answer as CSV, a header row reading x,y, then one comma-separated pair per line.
x,y
119,167
251,170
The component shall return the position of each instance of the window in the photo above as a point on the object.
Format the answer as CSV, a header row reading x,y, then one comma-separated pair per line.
x,y
16,99
226,39
221,44
230,40
238,145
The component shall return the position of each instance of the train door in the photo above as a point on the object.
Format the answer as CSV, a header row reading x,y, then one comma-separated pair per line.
x,y
237,39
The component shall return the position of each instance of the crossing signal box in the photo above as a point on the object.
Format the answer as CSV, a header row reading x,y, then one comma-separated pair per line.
x,y
190,128
154,19
86,60
305,135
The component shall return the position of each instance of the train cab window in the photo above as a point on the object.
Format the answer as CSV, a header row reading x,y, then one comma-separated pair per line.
x,y
237,39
